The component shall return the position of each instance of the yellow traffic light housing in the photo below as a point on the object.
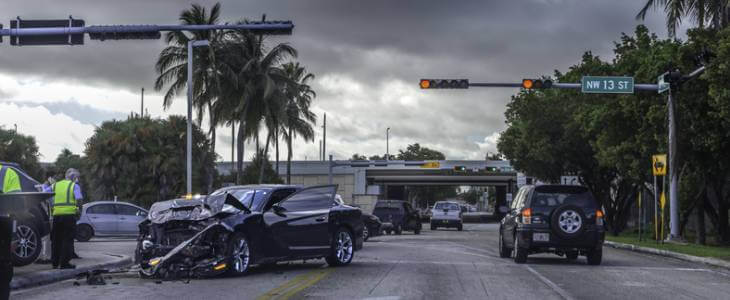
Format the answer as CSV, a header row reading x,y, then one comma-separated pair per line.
x,y
444,83
425,83
530,84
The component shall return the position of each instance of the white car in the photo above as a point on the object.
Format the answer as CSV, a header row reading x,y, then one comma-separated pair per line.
x,y
446,214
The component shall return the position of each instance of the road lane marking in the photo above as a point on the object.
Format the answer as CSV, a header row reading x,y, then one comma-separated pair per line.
x,y
295,285
549,283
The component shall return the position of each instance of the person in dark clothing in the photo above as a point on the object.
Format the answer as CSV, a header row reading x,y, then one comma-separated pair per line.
x,y
6,263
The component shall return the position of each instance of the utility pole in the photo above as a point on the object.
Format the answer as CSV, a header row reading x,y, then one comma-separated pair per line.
x,y
141,107
387,145
320,149
189,173
324,137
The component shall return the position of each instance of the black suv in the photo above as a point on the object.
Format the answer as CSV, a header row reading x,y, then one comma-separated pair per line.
x,y
397,216
31,225
561,219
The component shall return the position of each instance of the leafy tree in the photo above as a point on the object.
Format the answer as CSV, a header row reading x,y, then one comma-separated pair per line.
x,y
143,160
701,12
298,118
358,157
416,152
252,171
21,149
471,196
65,160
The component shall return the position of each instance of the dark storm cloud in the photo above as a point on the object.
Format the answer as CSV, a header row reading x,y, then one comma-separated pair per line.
x,y
372,43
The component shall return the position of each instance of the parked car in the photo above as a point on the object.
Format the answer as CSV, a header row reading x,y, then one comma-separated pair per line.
x,y
561,219
447,214
32,225
397,216
109,218
372,226
239,226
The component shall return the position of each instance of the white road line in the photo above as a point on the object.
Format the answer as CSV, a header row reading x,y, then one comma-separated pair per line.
x,y
549,283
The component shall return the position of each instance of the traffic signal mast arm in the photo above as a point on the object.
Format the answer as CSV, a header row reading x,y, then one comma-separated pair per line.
x,y
558,85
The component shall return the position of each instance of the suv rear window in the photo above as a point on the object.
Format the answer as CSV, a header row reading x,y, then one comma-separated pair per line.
x,y
392,207
553,196
450,206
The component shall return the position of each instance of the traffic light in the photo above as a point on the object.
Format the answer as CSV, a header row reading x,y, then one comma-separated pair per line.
x,y
47,39
459,169
444,83
530,84
672,77
492,169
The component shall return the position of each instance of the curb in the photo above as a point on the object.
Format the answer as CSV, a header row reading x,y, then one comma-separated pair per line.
x,y
686,257
51,276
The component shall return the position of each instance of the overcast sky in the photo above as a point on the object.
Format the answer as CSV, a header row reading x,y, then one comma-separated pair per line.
x,y
367,57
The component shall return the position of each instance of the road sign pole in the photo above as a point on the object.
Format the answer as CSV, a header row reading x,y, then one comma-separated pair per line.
x,y
656,209
673,172
189,148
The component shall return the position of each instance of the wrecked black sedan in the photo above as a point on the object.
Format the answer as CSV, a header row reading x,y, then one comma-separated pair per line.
x,y
236,227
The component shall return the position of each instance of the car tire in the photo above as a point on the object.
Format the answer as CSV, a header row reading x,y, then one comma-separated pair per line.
x,y
398,230
571,255
365,233
29,244
389,232
433,227
342,249
504,251
240,254
417,231
84,233
460,227
574,221
594,257
520,254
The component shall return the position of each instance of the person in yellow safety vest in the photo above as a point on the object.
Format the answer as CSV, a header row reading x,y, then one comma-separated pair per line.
x,y
66,203
9,181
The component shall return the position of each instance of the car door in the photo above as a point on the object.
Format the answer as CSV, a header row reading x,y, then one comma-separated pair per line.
x,y
301,226
103,218
510,220
128,217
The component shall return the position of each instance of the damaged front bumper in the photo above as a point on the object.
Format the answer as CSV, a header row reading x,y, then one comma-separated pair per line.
x,y
202,255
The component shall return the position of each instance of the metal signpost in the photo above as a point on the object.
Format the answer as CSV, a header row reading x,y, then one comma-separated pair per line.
x,y
71,32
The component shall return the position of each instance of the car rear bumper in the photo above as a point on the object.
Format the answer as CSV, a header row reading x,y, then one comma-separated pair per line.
x,y
446,222
591,238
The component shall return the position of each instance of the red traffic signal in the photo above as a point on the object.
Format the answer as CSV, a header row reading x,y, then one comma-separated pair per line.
x,y
444,83
529,84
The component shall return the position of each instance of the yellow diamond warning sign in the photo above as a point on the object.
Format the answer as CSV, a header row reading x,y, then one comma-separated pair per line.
x,y
659,164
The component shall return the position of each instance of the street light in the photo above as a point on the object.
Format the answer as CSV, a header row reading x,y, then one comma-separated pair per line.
x,y
189,177
387,145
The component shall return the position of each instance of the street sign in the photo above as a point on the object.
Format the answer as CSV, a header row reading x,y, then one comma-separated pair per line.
x,y
431,165
659,164
607,84
569,180
663,85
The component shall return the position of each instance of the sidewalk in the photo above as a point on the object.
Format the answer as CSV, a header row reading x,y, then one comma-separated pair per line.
x,y
686,257
40,274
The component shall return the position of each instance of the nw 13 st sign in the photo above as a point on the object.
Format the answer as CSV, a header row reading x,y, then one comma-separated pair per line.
x,y
607,84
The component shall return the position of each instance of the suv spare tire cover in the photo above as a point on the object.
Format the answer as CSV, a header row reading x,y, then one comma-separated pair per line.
x,y
568,221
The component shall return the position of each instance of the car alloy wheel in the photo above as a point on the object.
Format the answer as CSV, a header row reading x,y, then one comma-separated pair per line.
x,y
570,222
26,241
344,247
239,254
365,233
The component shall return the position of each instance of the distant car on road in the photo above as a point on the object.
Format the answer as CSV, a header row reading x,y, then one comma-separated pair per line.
x,y
561,219
32,225
397,216
109,218
447,214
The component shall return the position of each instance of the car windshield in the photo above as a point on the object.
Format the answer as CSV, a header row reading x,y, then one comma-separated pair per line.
x,y
252,198
449,206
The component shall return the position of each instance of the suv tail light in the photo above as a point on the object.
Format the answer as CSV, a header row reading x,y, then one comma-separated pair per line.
x,y
599,217
527,216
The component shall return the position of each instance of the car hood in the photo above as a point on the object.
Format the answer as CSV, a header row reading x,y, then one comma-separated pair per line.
x,y
189,210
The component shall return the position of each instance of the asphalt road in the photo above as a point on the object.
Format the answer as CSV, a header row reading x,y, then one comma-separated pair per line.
x,y
434,265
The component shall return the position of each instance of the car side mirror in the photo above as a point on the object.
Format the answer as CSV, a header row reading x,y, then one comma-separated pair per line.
x,y
278,209
503,209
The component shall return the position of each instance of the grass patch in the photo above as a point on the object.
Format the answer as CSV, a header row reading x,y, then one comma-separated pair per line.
x,y
721,252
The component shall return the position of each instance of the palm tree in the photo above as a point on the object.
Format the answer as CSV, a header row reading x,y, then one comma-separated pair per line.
x,y
172,64
702,12
251,77
298,118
